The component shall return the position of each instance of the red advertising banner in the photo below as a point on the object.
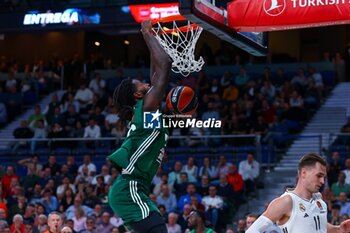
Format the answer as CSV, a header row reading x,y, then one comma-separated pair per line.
x,y
273,15
153,11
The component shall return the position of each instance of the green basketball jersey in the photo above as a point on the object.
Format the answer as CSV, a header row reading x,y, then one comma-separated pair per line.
x,y
141,153
209,230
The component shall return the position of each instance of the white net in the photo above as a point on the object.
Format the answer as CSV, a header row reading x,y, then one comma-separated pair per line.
x,y
180,46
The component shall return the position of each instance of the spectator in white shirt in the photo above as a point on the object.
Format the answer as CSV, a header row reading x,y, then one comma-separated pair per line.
x,y
191,168
84,96
316,76
87,162
92,130
104,173
84,176
62,188
296,100
11,81
249,170
212,203
70,102
111,119
79,220
172,225
97,85
116,221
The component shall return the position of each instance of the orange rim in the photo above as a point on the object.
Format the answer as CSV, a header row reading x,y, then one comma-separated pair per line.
x,y
182,29
175,18
169,19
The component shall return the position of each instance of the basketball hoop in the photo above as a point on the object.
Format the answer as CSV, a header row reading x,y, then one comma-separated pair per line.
x,y
179,42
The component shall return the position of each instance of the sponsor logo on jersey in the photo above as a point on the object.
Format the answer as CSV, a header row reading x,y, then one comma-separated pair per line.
x,y
302,207
319,205
274,7
306,215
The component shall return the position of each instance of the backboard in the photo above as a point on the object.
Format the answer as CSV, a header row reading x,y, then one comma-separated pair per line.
x,y
214,20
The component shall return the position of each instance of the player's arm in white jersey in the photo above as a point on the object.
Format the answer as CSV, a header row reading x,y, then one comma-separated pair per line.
x,y
278,211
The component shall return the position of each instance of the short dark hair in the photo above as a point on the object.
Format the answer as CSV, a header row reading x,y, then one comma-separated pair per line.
x,y
200,214
252,215
70,220
184,173
310,160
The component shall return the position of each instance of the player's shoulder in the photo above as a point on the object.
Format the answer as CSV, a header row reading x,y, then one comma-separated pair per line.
x,y
285,198
288,193
317,196
279,208
283,201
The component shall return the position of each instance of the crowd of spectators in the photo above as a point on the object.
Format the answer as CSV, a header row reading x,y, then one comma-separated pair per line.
x,y
271,105
25,83
78,192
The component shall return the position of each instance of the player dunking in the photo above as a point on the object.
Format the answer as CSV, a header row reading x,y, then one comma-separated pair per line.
x,y
302,209
141,153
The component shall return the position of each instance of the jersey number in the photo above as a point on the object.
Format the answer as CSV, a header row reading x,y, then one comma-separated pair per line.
x,y
317,222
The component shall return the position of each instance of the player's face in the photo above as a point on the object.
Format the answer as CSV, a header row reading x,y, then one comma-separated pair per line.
x,y
315,177
140,88
192,220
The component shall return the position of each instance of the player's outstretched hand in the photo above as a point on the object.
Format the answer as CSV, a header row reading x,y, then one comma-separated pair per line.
x,y
345,226
146,26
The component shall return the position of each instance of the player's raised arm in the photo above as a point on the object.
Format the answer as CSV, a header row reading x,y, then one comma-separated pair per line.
x,y
160,68
278,210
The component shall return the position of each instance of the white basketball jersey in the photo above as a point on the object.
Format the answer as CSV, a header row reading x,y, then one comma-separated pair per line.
x,y
308,216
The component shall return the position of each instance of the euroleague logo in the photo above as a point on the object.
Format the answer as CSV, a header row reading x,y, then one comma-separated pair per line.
x,y
274,7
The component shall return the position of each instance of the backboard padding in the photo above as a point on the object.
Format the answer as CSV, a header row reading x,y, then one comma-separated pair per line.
x,y
214,20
